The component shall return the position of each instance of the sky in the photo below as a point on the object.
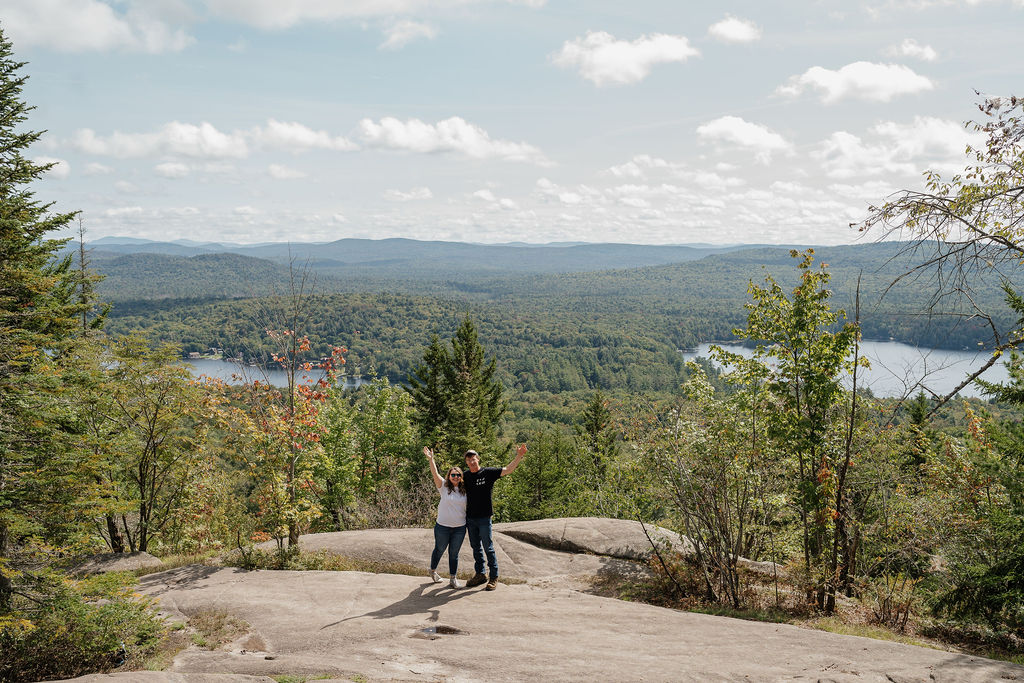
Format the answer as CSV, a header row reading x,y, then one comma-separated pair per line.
x,y
493,121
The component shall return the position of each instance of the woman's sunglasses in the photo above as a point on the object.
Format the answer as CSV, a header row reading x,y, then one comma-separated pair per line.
x,y
453,474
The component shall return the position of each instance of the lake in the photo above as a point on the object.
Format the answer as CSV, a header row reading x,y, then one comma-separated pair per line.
x,y
896,366
234,373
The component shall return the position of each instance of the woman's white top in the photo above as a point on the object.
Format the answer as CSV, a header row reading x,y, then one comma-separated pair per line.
x,y
451,511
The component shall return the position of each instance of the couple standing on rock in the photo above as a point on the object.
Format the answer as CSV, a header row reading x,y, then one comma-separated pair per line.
x,y
466,506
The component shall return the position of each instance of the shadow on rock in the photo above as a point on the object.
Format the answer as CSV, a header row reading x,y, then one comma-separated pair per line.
x,y
183,578
418,601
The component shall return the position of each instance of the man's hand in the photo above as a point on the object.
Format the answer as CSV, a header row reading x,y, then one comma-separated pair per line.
x,y
509,468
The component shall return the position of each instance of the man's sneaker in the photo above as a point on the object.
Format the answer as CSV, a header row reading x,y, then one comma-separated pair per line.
x,y
454,583
476,580
435,576
491,585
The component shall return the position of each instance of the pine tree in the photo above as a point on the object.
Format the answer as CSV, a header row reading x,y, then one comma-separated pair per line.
x,y
38,314
457,400
597,437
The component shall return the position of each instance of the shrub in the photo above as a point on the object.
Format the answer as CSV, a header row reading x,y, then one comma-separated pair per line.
x,y
66,628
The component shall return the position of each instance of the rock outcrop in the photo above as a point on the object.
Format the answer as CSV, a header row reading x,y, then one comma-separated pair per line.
x,y
390,627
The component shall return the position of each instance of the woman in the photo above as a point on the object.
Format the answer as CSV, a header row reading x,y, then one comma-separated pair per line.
x,y
450,529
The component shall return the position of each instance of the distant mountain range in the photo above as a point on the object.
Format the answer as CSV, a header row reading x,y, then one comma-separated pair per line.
x,y
137,268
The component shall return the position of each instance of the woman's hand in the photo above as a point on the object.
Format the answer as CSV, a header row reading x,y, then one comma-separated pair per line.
x,y
438,479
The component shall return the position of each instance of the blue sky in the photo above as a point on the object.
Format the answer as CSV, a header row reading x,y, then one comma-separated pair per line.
x,y
502,120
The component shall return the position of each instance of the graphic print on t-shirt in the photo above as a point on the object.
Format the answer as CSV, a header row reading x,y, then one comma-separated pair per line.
x,y
479,486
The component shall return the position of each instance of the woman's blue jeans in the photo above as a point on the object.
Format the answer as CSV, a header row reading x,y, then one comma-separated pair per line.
x,y
447,538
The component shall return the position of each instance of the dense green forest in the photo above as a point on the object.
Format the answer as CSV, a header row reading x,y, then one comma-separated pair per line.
x,y
909,516
612,330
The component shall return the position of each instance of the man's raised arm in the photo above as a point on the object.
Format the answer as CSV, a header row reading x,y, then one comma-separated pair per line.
x,y
511,467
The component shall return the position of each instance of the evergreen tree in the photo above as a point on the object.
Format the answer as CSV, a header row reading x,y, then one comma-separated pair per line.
x,y
38,314
597,437
457,400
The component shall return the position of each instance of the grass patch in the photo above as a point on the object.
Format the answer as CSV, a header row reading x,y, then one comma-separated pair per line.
x,y
174,561
324,560
767,615
838,625
212,629
169,647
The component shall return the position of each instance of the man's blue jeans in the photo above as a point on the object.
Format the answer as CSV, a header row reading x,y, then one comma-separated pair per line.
x,y
447,538
481,541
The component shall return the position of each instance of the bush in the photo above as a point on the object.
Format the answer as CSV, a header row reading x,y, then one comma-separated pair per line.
x,y
66,628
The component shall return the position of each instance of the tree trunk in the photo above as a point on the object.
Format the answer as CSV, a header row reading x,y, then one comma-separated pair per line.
x,y
6,585
116,539
293,535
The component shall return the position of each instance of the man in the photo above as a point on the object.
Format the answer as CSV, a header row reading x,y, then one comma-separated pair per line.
x,y
479,482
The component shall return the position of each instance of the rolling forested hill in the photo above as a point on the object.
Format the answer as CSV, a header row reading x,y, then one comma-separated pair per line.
x,y
405,259
558,331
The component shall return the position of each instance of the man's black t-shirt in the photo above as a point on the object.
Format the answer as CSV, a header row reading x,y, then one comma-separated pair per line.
x,y
478,490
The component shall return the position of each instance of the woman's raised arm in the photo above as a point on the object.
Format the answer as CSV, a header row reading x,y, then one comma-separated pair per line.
x,y
438,479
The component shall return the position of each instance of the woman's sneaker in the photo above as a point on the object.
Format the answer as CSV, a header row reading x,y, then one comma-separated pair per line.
x,y
454,583
435,576
477,580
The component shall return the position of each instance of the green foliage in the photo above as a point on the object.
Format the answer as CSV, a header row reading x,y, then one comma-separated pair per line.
x,y
986,515
799,362
545,484
457,399
69,628
147,419
724,481
40,480
597,436
369,446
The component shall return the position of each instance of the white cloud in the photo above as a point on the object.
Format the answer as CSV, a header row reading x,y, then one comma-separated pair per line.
x,y
415,194
95,168
126,187
295,136
735,131
735,30
451,135
246,210
572,197
602,59
911,48
897,148
502,203
185,139
639,166
860,80
61,168
277,14
123,212
91,25
928,136
404,32
172,169
284,172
